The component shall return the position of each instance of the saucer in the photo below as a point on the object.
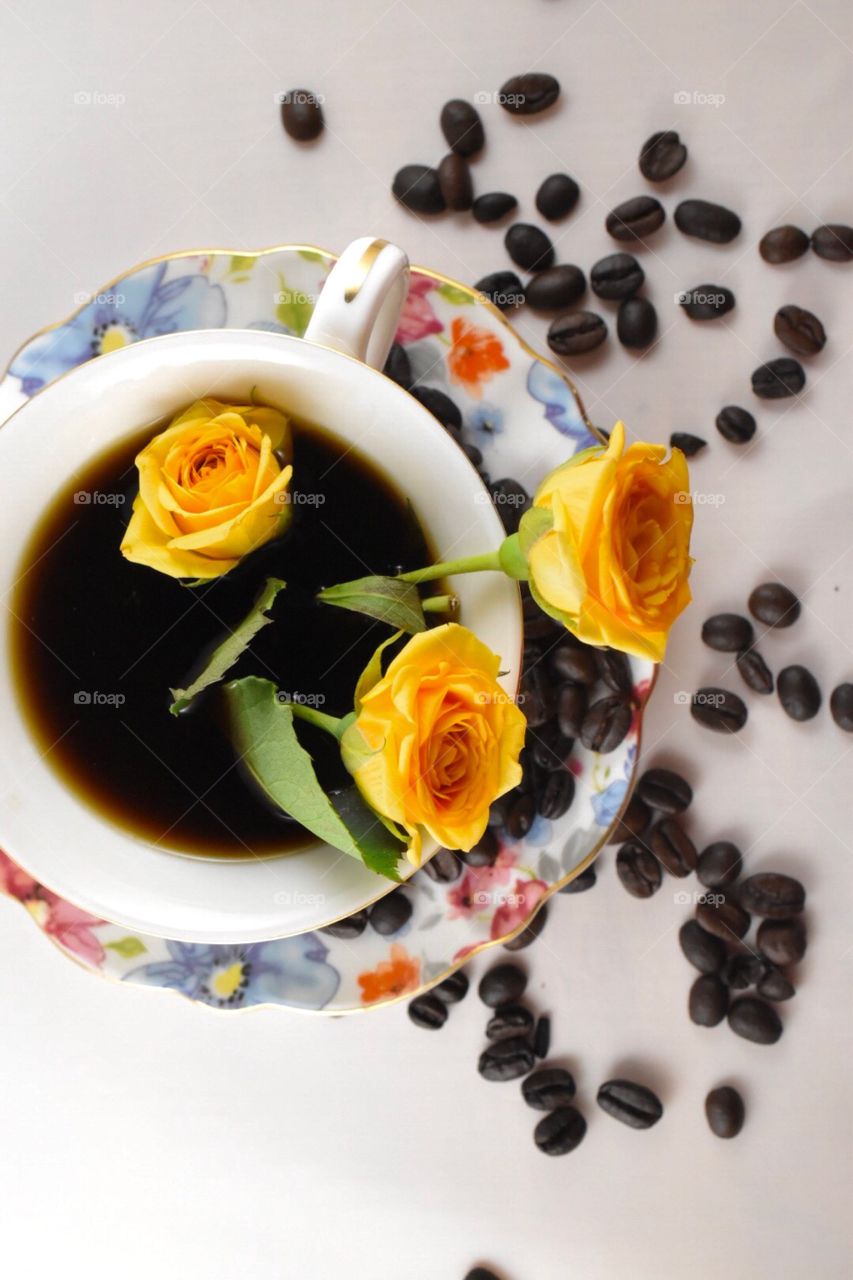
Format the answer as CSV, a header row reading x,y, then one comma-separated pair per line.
x,y
516,406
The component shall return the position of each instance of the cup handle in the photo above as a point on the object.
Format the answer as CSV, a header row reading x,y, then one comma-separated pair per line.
x,y
360,303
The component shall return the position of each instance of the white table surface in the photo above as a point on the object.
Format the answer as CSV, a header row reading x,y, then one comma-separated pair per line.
x,y
141,1136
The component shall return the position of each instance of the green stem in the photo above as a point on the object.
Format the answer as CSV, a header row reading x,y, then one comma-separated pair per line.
x,y
439,604
331,724
468,564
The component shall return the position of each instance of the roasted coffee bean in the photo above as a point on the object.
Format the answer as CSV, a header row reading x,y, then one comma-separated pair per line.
x,y
638,870
462,127
633,1104
617,276
560,1132
551,749
484,852
557,196
779,378
537,625
557,794
719,864
502,984
577,333
443,867
754,1020
493,206
725,1111
503,288
529,247
509,1020
427,1011
841,706
453,989
665,791
529,934
615,670
351,927
389,914
742,971
708,1001
439,405
706,301
833,242
688,444
301,115
799,331
727,632
457,186
704,951
568,661
662,155
798,692
547,1088
636,218
398,367
571,709
735,424
528,94
636,323
707,221
542,1037
556,287
783,244
507,1059
499,809
511,500
755,671
605,724
481,1273
772,895
580,884
632,822
782,941
672,847
719,710
520,817
726,919
775,985
417,187
774,605
537,695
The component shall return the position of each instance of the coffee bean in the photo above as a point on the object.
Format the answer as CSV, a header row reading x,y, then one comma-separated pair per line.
x,y
774,985
550,748
484,852
632,822
542,1037
773,895
636,218
841,706
707,221
453,989
439,405
727,632
352,927
520,817
638,870
673,848
557,794
665,790
547,1088
481,1273
605,724
580,884
782,941
503,288
529,247
502,984
783,244
569,661
636,323
719,710
529,934
615,670
398,367
426,1011
509,1020
704,951
742,971
576,333
443,867
389,914
725,1111
833,242
708,1001
301,115
755,671
556,287
560,1132
493,206
719,865
537,695
798,692
557,196
754,1020
462,127
454,178
726,919
774,605
507,1059
571,709
735,424
688,444
633,1104
778,378
417,187
662,155
511,500
706,301
617,276
528,94
799,331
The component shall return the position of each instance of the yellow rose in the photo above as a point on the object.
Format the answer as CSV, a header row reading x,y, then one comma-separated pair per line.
x,y
607,545
436,740
211,490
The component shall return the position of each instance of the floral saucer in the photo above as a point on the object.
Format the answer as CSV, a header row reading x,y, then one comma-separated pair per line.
x,y
525,417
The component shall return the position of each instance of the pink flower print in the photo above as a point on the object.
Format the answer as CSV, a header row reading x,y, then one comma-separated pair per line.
x,y
15,881
73,928
417,319
517,907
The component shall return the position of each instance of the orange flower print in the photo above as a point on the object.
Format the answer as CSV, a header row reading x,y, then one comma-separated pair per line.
x,y
475,355
393,977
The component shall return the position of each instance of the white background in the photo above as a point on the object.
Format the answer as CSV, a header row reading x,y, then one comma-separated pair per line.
x,y
141,1136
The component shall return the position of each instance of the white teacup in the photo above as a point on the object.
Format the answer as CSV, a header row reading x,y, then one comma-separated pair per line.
x,y
331,378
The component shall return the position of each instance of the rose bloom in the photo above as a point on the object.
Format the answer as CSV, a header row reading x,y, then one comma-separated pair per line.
x,y
436,740
607,544
211,490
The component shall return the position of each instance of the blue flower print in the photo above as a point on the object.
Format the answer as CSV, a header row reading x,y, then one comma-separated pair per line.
x,y
561,407
608,802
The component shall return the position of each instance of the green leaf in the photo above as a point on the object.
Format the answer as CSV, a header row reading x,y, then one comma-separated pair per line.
x,y
372,673
457,297
232,648
127,947
386,599
264,735
311,255
239,262
294,309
